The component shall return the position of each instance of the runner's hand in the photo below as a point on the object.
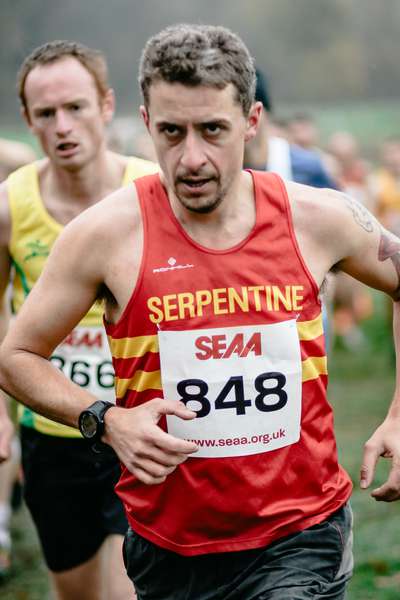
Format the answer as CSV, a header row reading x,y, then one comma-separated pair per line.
x,y
6,435
143,447
385,442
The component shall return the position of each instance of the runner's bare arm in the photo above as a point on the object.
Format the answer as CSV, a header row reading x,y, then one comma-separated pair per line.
x,y
63,294
61,297
348,236
6,426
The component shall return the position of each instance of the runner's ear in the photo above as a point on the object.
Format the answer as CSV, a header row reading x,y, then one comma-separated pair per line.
x,y
145,116
253,120
108,105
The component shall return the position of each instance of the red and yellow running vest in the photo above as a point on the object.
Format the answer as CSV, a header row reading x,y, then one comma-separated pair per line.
x,y
236,335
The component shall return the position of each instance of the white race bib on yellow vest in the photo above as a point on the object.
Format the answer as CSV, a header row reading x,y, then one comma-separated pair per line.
x,y
245,384
84,357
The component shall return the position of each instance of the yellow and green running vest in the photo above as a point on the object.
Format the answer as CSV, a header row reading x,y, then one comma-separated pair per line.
x,y
84,355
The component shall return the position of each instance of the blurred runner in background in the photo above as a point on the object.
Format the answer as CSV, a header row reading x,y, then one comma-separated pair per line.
x,y
69,489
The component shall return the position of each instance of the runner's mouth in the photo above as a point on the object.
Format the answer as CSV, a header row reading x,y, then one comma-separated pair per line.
x,y
65,146
195,183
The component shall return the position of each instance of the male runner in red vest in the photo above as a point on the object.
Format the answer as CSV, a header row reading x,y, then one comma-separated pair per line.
x,y
211,277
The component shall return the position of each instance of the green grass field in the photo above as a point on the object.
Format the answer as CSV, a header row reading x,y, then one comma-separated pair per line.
x,y
360,389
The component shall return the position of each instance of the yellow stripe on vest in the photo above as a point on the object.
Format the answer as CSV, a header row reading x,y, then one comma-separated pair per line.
x,y
133,347
310,330
313,367
140,382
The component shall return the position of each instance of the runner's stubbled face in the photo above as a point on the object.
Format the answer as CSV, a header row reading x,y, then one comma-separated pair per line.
x,y
199,135
66,113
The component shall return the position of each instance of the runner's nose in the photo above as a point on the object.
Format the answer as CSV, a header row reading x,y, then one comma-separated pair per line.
x,y
193,155
63,123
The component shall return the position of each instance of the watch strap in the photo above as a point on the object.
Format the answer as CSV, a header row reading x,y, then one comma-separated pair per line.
x,y
98,409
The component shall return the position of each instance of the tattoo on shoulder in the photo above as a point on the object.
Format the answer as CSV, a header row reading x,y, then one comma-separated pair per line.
x,y
360,214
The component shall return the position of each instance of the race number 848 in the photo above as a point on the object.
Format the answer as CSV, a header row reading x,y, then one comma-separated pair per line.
x,y
266,384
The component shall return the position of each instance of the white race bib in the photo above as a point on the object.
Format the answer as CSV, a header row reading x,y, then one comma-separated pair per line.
x,y
244,383
84,357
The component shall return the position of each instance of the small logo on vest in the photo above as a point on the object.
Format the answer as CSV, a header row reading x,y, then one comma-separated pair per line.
x,y
36,248
172,266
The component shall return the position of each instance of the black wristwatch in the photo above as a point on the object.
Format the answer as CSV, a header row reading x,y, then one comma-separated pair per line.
x,y
91,420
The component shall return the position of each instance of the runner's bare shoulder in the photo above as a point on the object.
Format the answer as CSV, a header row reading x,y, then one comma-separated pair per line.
x,y
96,239
321,217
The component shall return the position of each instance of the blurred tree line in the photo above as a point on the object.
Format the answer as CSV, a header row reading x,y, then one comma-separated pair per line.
x,y
312,50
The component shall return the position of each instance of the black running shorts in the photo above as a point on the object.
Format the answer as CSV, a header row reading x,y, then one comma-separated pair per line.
x,y
69,490
315,563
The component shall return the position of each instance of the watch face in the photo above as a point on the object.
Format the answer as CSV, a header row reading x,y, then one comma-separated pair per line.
x,y
89,425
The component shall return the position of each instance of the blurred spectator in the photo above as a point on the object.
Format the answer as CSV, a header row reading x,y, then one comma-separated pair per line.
x,y
385,185
10,488
385,189
303,131
262,91
352,301
278,127
129,136
267,151
352,304
352,170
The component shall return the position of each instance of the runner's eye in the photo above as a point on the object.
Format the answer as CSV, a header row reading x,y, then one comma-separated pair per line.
x,y
171,131
212,129
46,113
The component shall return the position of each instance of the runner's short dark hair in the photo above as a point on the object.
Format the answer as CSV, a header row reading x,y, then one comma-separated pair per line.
x,y
199,55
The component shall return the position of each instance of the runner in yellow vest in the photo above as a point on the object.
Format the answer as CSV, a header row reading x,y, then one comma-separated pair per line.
x,y
84,356
67,102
